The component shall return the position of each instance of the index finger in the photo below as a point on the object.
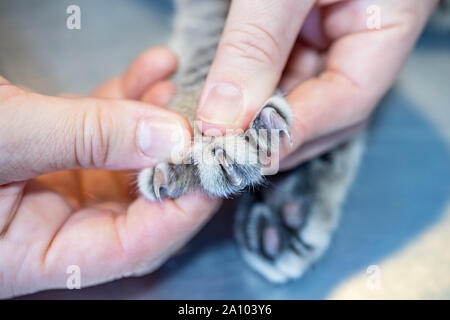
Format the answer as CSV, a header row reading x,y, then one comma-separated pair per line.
x,y
255,44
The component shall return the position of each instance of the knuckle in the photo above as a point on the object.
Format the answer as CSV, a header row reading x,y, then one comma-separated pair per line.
x,y
92,145
253,42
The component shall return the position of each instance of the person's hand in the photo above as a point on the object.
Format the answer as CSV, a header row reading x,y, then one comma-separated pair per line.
x,y
322,52
89,218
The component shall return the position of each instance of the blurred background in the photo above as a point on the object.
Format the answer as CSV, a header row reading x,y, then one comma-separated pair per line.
x,y
397,216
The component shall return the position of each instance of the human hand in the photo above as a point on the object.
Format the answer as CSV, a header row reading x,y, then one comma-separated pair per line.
x,y
89,218
322,53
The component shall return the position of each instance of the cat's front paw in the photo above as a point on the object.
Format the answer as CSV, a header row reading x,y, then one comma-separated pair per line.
x,y
224,165
228,164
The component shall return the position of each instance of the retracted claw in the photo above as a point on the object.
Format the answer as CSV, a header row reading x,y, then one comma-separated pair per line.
x,y
226,164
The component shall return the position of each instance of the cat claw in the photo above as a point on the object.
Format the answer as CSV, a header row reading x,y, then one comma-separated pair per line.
x,y
227,165
287,133
271,119
160,180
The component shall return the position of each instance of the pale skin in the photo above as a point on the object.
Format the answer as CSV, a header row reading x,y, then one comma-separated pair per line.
x,y
88,218
335,71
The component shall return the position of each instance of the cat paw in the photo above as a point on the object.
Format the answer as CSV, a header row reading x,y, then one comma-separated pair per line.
x,y
223,165
283,230
270,239
228,164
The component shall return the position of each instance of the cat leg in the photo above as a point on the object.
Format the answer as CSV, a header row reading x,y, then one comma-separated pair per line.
x,y
306,205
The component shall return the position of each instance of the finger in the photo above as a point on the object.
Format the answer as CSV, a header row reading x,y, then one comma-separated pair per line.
x,y
151,66
41,134
316,147
312,30
112,89
252,53
303,64
159,94
361,65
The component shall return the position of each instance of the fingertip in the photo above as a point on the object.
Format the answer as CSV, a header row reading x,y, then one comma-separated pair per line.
x,y
185,125
223,107
163,136
160,57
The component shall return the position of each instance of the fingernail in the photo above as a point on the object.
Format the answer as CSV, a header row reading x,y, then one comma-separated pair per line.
x,y
223,104
160,138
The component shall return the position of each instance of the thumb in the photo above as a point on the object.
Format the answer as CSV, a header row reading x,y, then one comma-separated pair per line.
x,y
41,134
255,44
